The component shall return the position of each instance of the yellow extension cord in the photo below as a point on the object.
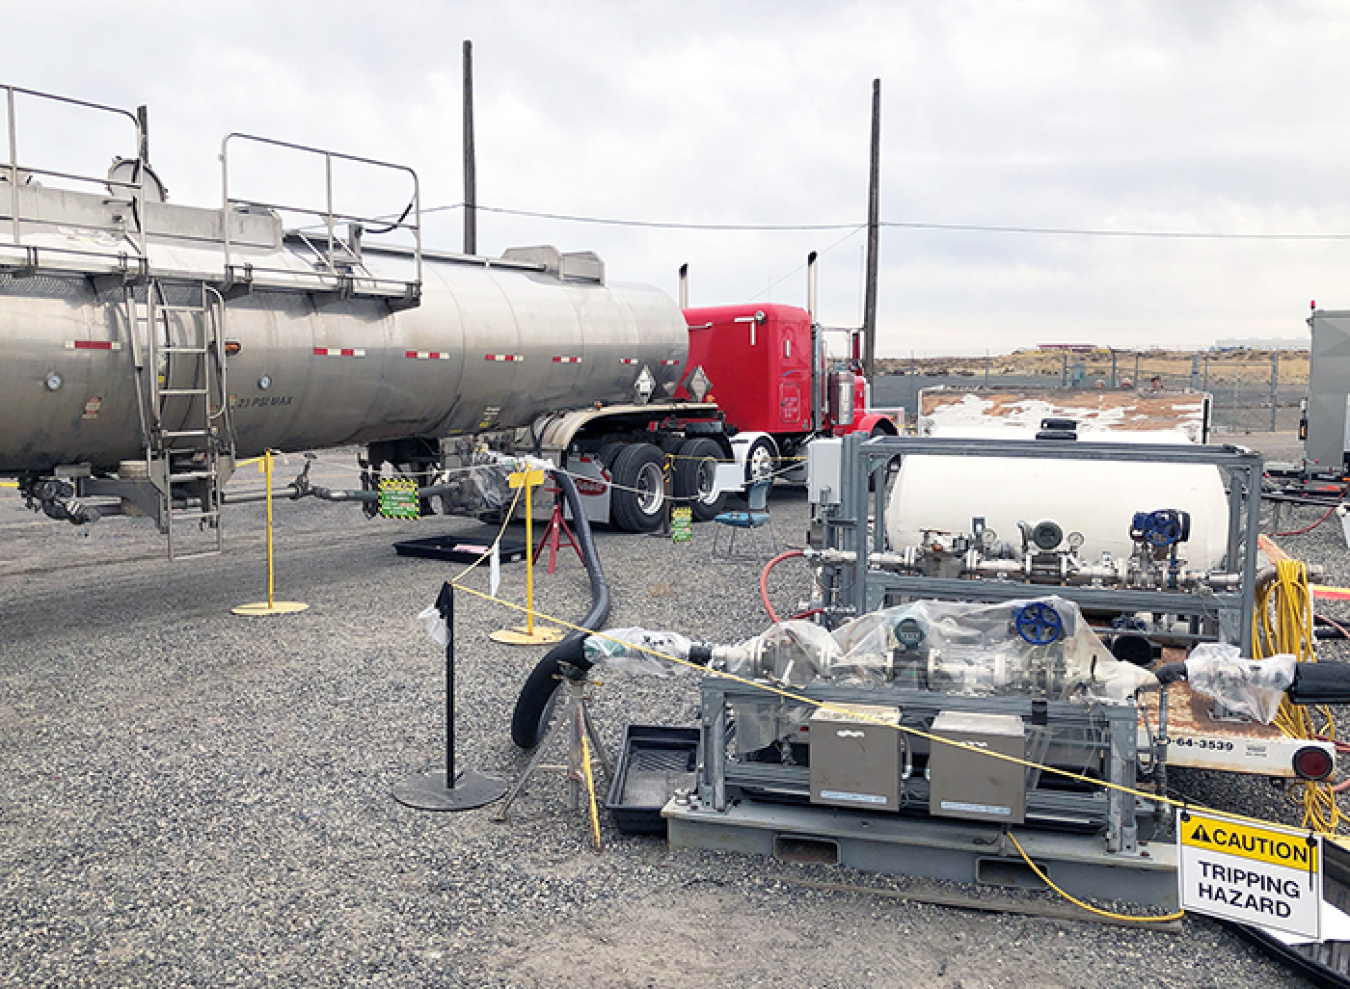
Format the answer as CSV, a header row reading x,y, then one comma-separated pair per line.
x,y
1137,918
1283,623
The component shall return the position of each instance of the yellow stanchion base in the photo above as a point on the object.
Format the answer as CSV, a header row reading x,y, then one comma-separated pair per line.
x,y
275,608
541,636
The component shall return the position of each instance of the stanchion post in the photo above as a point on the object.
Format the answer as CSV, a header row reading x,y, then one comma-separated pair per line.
x,y
527,480
445,604
271,606
529,542
271,569
449,790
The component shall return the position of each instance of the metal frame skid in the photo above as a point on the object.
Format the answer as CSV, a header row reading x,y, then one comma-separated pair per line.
x,y
1075,818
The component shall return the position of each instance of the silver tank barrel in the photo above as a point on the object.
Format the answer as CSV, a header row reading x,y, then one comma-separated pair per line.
x,y
489,346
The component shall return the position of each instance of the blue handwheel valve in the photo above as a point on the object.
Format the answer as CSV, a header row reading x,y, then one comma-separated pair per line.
x,y
1038,623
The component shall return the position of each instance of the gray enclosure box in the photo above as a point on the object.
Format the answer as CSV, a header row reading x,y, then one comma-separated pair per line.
x,y
1328,386
968,784
856,763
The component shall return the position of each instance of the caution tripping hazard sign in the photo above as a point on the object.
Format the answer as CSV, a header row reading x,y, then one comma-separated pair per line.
x,y
1254,874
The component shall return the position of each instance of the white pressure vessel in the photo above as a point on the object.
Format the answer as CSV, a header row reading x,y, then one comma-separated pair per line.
x,y
1094,497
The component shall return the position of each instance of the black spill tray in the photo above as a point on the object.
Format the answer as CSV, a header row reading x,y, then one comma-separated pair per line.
x,y
656,761
458,549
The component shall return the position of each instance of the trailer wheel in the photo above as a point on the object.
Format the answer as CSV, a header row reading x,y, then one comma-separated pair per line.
x,y
760,460
695,478
639,488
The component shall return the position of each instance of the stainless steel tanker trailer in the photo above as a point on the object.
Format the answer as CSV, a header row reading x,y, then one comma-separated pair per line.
x,y
149,346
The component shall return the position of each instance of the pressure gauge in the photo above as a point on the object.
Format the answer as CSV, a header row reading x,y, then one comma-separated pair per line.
x,y
988,537
1075,540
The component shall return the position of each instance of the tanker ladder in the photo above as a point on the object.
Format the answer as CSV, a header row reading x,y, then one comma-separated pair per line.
x,y
184,407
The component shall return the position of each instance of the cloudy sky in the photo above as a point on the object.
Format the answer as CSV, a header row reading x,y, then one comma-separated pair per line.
x,y
1085,127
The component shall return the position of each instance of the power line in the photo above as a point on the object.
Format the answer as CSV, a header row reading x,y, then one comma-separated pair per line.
x,y
904,225
1087,232
801,267
659,225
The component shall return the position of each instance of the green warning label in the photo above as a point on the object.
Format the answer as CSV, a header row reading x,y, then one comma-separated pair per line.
x,y
398,499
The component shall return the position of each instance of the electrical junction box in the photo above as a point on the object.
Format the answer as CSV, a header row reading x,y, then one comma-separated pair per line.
x,y
824,471
856,763
963,782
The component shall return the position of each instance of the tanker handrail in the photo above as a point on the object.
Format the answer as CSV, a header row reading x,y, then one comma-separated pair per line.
x,y
329,216
12,167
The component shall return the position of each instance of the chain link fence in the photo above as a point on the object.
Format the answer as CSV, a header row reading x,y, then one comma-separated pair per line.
x,y
1253,391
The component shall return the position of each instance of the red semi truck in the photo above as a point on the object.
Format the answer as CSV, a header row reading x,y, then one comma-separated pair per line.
x,y
758,385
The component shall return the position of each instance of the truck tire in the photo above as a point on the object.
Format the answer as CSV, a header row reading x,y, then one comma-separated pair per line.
x,y
761,460
695,478
638,497
607,453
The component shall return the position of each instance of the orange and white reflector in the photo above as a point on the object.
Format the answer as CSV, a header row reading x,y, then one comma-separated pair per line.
x,y
339,352
566,360
426,355
504,357
93,344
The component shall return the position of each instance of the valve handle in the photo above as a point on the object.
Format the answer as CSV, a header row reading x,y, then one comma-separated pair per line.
x,y
1039,624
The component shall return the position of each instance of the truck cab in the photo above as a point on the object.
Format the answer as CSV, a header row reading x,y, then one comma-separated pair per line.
x,y
767,368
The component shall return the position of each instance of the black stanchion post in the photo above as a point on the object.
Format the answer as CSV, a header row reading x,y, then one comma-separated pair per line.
x,y
445,604
448,790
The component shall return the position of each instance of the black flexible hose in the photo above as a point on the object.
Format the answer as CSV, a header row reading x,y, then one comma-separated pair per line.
x,y
530,717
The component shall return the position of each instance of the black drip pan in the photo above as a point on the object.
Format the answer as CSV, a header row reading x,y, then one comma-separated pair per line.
x,y
457,549
656,760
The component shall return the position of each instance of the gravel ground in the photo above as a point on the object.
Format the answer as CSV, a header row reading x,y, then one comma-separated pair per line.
x,y
190,798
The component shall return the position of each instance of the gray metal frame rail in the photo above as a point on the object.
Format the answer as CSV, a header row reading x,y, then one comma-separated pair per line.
x,y
333,277
12,169
857,527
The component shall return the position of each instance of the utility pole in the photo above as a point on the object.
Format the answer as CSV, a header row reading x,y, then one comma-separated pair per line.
x,y
470,168
873,231
143,125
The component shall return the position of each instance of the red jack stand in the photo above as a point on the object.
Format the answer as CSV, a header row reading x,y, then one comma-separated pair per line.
x,y
553,536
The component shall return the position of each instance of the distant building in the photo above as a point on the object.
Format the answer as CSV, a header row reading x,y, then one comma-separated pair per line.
x,y
1261,343
1073,348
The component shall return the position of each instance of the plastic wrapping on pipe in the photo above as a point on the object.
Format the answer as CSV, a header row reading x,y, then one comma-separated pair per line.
x,y
1041,647
1253,688
1038,648
638,651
